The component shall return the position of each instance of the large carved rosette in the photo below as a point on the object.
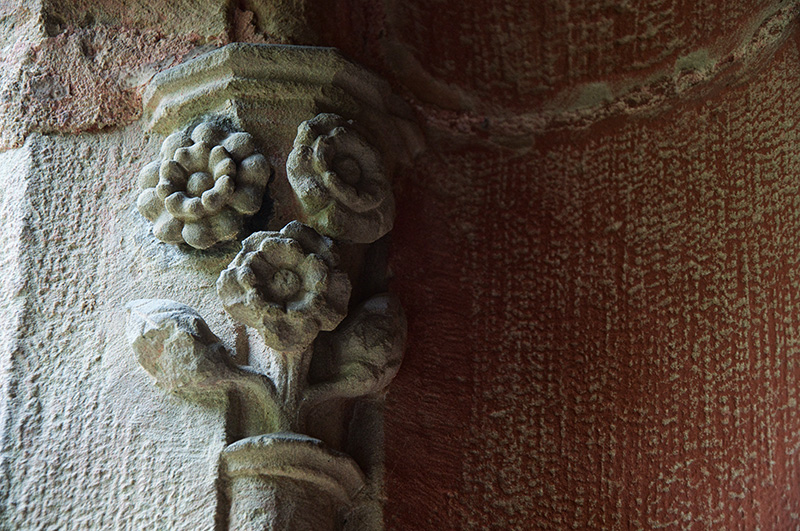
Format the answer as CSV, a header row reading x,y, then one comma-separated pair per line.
x,y
206,182
285,285
340,180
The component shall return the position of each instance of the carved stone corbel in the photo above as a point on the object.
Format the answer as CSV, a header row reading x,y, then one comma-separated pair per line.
x,y
317,138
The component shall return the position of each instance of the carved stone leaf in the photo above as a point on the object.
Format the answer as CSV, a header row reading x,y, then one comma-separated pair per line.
x,y
363,353
174,345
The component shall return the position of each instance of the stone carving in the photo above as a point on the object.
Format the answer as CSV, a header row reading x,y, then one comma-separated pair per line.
x,y
285,285
176,347
304,419
206,182
363,355
340,180
303,483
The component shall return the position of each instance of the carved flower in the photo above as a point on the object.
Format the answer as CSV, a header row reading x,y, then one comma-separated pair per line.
x,y
340,180
206,182
285,285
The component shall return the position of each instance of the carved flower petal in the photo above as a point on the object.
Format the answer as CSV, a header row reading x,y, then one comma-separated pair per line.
x,y
224,167
245,276
208,133
193,158
215,199
199,234
311,241
168,229
246,200
148,177
217,155
252,244
226,225
280,253
311,192
314,271
338,294
342,223
199,182
173,142
305,135
149,204
234,285
173,172
239,145
183,207
254,171
308,131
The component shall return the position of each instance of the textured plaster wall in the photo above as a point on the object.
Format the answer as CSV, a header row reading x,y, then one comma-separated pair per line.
x,y
604,322
598,258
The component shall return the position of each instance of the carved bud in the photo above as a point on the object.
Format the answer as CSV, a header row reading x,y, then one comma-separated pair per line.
x,y
363,355
206,182
174,345
340,180
285,285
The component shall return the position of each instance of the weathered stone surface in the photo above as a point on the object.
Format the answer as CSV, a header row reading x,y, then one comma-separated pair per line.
x,y
81,79
341,180
84,444
208,180
286,285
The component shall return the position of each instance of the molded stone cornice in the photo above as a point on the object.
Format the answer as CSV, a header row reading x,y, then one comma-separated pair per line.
x,y
272,85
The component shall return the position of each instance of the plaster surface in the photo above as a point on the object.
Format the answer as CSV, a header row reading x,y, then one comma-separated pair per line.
x,y
597,258
606,336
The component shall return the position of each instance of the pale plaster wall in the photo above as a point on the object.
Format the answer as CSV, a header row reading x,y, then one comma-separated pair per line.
x,y
89,442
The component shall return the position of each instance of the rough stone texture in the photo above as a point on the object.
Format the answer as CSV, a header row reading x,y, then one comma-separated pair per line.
x,y
81,80
88,440
603,330
597,258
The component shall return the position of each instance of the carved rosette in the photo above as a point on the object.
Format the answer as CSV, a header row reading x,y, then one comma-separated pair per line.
x,y
206,182
322,359
340,180
285,285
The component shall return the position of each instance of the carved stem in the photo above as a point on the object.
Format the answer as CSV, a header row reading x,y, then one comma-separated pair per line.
x,y
291,379
260,411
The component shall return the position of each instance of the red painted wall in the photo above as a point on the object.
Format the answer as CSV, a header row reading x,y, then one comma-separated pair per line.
x,y
603,300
